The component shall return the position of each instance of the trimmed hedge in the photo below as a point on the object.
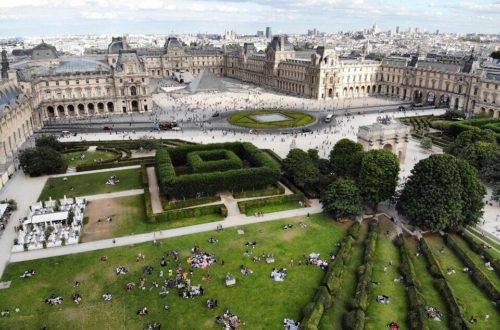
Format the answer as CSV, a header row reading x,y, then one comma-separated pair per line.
x,y
277,189
244,205
453,128
354,318
263,173
313,313
218,160
456,318
476,247
180,204
478,276
416,315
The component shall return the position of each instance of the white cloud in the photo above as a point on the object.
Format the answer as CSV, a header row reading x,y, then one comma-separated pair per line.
x,y
98,15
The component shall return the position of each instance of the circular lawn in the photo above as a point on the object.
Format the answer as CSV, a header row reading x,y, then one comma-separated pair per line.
x,y
271,118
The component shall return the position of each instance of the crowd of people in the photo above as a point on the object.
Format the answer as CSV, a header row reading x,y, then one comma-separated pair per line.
x,y
433,313
228,320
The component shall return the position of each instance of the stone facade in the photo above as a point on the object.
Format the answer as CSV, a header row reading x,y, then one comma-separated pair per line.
x,y
393,137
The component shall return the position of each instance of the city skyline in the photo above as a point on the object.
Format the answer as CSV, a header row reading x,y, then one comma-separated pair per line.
x,y
29,18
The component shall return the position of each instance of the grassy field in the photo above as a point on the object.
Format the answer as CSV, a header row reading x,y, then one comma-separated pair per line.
x,y
432,297
256,299
244,119
480,263
379,315
273,208
472,298
129,218
90,184
72,159
332,318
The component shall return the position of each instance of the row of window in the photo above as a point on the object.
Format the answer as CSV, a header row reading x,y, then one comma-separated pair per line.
x,y
87,81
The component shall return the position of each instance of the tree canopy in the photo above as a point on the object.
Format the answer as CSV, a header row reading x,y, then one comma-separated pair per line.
x,y
48,141
496,55
41,160
342,199
378,177
301,169
345,158
442,193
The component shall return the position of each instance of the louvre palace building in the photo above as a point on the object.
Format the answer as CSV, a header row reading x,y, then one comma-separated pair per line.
x,y
47,86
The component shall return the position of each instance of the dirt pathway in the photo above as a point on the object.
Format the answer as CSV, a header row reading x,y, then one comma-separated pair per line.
x,y
154,191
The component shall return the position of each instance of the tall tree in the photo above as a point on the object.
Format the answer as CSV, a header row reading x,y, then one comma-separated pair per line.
x,y
342,199
346,158
378,177
442,193
42,160
300,168
48,141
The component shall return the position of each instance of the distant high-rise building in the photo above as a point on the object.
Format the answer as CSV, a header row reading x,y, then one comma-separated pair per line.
x,y
375,28
312,33
269,34
437,31
260,34
397,29
417,30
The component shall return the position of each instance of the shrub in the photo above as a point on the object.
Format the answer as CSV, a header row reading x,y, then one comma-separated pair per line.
x,y
476,247
263,172
243,206
187,213
277,189
218,160
311,320
323,296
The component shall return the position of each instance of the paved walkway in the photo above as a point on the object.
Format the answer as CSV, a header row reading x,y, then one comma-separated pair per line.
x,y
24,190
117,194
473,232
229,222
95,171
154,190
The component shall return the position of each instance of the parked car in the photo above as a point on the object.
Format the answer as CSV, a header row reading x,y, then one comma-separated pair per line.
x,y
108,128
216,114
306,130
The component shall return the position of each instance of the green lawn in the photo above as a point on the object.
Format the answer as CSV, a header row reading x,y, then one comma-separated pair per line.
x,y
472,298
492,252
431,296
258,301
273,208
72,159
91,184
332,318
379,315
492,275
245,119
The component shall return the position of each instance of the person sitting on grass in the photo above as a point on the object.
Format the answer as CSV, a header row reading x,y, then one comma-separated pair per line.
x,y
383,299
5,313
213,240
107,296
121,270
393,326
143,311
211,303
28,274
129,286
76,298
54,300
245,270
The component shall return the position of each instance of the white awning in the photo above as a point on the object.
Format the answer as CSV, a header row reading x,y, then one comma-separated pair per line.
x,y
49,217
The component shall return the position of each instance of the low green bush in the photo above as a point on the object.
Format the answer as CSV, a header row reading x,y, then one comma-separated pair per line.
x,y
244,205
187,213
218,160
479,249
311,320
277,189
323,296
456,318
180,204
478,276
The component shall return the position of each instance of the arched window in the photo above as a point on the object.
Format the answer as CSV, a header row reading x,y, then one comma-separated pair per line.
x,y
133,91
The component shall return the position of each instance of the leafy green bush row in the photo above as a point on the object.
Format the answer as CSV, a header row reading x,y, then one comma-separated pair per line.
x,y
355,317
478,276
453,128
456,318
416,315
244,205
277,189
180,204
218,160
476,247
331,284
189,213
263,173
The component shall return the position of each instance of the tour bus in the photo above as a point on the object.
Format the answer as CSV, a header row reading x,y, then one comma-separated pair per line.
x,y
329,118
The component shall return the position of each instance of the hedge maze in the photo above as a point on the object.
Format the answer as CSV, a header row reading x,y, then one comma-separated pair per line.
x,y
214,168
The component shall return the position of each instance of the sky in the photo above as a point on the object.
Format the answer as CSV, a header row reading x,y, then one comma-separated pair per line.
x,y
30,18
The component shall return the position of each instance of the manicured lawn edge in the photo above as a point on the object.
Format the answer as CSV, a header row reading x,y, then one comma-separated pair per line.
x,y
332,282
478,276
476,247
416,315
297,119
354,319
456,319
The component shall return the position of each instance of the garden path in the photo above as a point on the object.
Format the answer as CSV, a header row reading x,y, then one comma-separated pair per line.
x,y
117,194
229,222
231,204
154,190
24,190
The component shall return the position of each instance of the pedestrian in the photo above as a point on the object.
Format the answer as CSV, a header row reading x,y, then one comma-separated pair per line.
x,y
291,262
114,241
